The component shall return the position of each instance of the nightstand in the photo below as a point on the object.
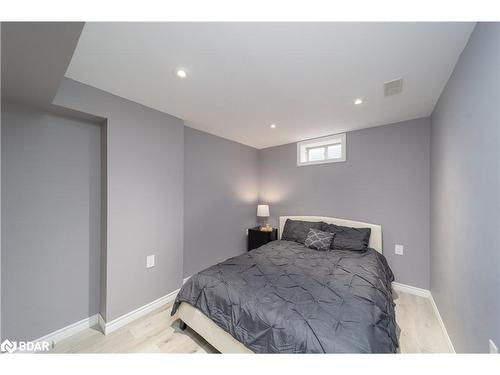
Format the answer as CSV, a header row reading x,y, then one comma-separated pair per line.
x,y
257,238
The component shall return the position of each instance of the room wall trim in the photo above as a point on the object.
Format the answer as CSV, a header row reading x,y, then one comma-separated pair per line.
x,y
441,323
426,294
70,330
108,327
125,319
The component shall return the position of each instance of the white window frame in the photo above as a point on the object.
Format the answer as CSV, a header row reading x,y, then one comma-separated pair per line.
x,y
324,142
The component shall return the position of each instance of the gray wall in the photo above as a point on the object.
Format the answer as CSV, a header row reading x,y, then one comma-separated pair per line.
x,y
465,250
104,220
385,180
145,164
220,198
1,335
35,56
50,221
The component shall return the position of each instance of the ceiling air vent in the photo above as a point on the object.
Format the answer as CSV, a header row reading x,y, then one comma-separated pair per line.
x,y
393,87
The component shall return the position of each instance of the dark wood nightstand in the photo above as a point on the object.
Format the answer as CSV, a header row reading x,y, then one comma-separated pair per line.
x,y
257,238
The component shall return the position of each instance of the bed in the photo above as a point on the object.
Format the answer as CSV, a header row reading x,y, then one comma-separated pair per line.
x,y
286,298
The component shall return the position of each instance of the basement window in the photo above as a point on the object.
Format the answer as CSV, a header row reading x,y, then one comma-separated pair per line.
x,y
330,149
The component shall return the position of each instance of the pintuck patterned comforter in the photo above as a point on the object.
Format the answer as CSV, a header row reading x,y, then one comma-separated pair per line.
x,y
286,298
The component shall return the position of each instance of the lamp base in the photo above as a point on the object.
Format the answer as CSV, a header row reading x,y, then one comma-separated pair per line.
x,y
266,228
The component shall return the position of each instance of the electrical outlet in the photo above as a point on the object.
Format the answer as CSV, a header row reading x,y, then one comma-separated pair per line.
x,y
150,261
493,347
399,249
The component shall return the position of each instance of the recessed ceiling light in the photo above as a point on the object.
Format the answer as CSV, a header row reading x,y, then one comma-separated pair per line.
x,y
272,126
358,101
181,73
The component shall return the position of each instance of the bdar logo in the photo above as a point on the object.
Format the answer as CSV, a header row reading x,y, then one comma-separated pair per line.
x,y
8,346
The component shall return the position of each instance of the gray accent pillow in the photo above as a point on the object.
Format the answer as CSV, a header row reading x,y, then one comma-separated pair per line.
x,y
297,230
347,238
319,240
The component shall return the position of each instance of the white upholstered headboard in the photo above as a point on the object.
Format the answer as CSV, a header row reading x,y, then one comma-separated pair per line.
x,y
376,230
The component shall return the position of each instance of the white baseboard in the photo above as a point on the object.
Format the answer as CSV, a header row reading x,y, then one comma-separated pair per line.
x,y
123,320
426,294
411,290
441,323
108,327
70,330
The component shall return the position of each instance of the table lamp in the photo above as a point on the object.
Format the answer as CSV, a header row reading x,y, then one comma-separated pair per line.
x,y
263,212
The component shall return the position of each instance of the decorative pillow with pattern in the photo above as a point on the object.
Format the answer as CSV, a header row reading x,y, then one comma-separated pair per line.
x,y
319,240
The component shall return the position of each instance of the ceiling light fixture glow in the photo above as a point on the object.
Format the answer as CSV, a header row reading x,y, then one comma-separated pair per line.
x,y
272,126
181,73
358,101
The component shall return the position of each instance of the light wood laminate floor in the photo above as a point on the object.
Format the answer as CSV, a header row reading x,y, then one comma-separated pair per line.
x,y
158,332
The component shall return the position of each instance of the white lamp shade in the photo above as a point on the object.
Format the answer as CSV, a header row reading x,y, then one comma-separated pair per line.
x,y
263,210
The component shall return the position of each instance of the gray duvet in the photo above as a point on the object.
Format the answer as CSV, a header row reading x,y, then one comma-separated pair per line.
x,y
286,298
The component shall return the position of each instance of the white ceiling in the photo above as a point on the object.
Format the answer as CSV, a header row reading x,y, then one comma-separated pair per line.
x,y
245,76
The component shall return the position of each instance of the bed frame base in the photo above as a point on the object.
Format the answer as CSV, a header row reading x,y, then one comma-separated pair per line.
x,y
211,332
182,325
